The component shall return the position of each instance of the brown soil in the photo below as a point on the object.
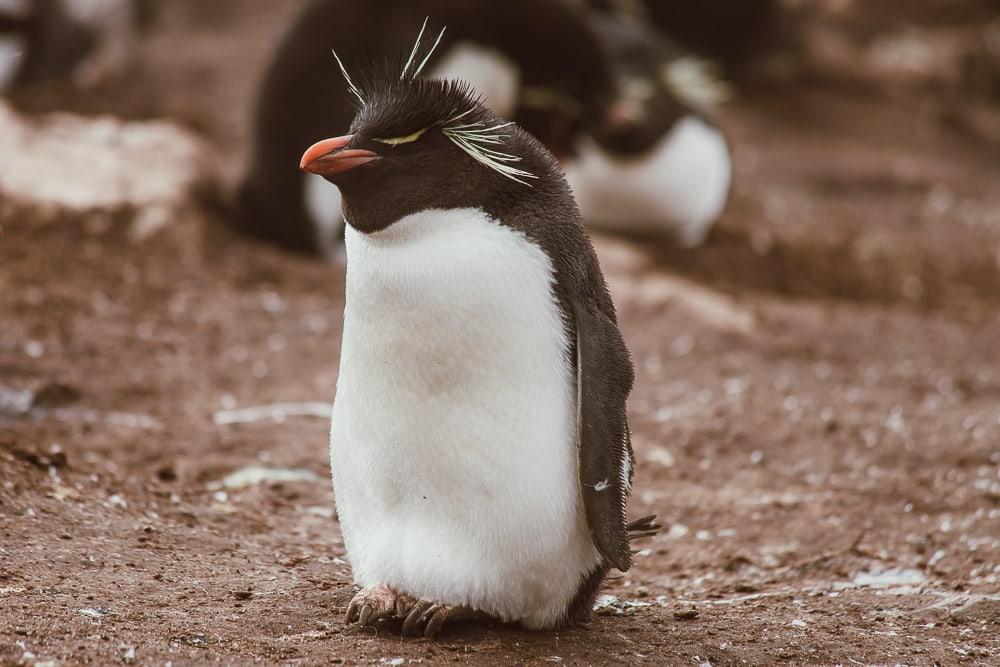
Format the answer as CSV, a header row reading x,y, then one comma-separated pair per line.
x,y
816,417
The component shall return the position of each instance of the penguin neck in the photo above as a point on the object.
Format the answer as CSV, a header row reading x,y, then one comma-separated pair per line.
x,y
378,217
375,215
419,226
372,207
371,215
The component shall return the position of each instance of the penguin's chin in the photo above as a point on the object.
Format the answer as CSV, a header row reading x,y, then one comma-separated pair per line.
x,y
368,214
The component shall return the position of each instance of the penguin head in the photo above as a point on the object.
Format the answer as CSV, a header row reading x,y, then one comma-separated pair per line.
x,y
417,144
656,84
643,108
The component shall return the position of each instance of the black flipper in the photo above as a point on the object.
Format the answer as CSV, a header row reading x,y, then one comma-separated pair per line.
x,y
604,379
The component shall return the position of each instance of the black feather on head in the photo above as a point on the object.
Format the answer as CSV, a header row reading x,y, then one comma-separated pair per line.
x,y
394,107
418,143
395,101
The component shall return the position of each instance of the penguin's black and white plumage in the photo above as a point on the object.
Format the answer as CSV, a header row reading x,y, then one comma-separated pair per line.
x,y
502,49
479,445
658,163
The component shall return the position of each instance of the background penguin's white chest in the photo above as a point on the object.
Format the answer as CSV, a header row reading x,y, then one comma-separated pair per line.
x,y
680,185
453,438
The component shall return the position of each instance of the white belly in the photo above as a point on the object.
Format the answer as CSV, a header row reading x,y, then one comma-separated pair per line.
x,y
452,444
681,185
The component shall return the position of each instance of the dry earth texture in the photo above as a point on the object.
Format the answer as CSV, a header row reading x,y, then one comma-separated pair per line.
x,y
816,417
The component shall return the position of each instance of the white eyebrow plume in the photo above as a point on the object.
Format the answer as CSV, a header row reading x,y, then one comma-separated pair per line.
x,y
347,77
429,53
477,140
416,45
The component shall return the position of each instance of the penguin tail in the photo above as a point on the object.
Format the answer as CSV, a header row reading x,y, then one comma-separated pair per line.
x,y
647,526
697,82
582,605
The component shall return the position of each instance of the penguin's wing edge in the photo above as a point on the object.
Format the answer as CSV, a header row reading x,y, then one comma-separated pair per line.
x,y
604,379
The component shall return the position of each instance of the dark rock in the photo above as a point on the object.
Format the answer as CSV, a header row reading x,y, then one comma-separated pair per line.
x,y
55,395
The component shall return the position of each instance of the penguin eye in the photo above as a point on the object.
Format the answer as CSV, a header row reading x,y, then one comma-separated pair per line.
x,y
396,141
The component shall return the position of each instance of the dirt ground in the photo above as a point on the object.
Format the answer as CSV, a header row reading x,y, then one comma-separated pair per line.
x,y
816,415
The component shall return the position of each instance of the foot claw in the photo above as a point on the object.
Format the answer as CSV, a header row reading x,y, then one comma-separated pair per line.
x,y
371,605
438,619
420,617
352,612
411,626
428,618
366,614
404,603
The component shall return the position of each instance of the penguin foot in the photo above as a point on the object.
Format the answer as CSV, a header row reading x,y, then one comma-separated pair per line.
x,y
424,618
371,605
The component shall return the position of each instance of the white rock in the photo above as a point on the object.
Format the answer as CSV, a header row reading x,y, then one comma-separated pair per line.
x,y
253,475
661,456
60,163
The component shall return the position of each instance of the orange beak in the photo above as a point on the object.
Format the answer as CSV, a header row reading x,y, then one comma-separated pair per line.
x,y
329,157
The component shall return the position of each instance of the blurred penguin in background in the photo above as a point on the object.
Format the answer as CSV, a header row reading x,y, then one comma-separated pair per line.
x,y
534,61
84,41
656,163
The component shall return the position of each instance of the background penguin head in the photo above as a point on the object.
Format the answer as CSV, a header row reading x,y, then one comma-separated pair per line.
x,y
656,83
420,143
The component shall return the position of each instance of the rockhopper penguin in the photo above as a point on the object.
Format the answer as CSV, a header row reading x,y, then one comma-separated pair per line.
x,y
479,446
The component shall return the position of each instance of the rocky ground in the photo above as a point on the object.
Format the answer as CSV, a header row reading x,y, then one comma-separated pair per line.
x,y
816,416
